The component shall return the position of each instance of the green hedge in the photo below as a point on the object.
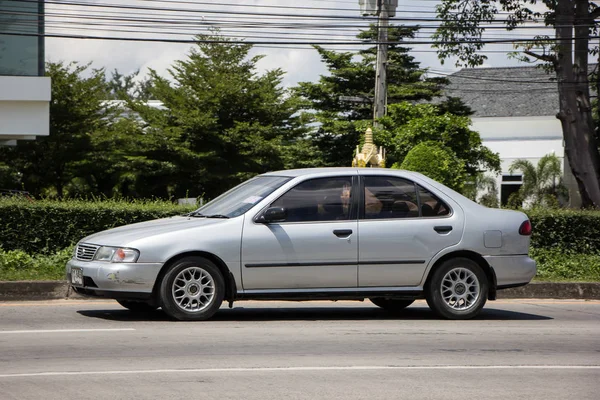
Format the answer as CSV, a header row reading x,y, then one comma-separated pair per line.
x,y
571,231
45,226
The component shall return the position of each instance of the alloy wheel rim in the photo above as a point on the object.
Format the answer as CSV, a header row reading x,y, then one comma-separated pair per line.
x,y
460,289
193,289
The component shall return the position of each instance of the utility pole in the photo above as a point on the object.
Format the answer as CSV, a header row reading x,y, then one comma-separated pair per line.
x,y
380,101
384,9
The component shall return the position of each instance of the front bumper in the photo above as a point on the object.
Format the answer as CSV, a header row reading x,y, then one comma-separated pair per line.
x,y
114,279
512,271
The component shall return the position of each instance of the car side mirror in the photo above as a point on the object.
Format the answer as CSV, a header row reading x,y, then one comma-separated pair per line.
x,y
273,214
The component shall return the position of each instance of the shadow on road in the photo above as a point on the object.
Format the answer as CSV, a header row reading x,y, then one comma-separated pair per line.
x,y
311,314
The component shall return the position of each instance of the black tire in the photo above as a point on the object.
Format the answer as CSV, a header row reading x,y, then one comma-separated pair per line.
x,y
392,305
137,306
196,264
451,309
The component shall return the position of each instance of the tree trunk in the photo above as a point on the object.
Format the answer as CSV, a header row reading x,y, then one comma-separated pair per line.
x,y
575,112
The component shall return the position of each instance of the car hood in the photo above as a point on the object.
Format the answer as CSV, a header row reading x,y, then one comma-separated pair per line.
x,y
123,235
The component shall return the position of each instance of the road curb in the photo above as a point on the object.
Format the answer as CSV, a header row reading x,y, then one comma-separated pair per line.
x,y
50,290
553,290
33,290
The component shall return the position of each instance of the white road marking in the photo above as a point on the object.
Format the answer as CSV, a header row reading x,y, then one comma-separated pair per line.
x,y
67,330
301,369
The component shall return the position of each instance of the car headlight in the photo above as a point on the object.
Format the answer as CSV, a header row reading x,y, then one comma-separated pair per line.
x,y
116,254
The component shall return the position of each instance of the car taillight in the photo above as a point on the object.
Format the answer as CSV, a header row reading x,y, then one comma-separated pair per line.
x,y
525,228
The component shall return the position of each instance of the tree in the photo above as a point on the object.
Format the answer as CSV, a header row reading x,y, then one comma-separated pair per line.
x,y
221,122
460,35
124,87
437,162
408,125
351,77
109,168
542,184
49,164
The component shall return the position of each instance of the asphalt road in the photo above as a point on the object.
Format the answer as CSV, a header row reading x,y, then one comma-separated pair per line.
x,y
517,349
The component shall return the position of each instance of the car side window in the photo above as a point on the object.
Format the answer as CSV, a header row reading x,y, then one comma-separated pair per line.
x,y
431,205
322,199
390,197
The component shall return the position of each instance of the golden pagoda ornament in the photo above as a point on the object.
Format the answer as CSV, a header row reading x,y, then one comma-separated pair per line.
x,y
370,156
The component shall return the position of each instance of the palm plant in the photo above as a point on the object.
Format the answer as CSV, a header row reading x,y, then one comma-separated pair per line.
x,y
542,184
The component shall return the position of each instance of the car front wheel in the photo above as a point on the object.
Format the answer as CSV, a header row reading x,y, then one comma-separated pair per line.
x,y
192,289
458,289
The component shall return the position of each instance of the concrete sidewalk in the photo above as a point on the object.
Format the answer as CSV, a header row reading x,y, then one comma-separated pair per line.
x,y
48,290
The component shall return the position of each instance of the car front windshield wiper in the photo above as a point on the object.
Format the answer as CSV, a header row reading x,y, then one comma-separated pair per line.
x,y
195,214
199,215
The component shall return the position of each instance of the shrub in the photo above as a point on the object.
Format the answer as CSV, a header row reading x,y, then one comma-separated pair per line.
x,y
16,265
437,162
570,231
46,226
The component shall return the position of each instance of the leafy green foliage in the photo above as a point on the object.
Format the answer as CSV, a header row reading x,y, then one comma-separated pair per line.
x,y
558,265
484,184
17,265
222,123
460,37
542,184
129,86
436,162
407,125
46,226
332,100
48,164
570,231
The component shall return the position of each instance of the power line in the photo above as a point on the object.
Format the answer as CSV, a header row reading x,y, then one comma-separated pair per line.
x,y
240,41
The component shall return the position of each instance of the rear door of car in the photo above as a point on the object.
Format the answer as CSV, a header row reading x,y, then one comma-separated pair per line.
x,y
315,247
402,226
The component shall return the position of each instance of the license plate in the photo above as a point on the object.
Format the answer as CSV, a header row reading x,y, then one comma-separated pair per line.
x,y
77,276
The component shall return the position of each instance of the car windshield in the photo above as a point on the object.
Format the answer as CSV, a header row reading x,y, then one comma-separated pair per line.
x,y
241,198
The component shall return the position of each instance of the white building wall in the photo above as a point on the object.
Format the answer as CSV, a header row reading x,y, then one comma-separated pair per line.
x,y
24,108
528,138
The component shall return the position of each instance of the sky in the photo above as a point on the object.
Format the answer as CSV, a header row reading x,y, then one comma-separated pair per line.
x,y
248,20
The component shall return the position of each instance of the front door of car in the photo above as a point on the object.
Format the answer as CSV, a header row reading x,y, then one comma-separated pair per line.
x,y
402,227
315,246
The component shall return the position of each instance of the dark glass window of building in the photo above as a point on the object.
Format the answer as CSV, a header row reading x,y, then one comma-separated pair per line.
x,y
21,38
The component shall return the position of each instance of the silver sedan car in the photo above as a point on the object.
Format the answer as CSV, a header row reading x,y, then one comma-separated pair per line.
x,y
337,233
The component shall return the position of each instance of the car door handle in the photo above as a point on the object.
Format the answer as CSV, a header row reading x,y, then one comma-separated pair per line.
x,y
442,229
342,233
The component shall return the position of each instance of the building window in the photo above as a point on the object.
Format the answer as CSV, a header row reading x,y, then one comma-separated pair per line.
x,y
21,38
510,184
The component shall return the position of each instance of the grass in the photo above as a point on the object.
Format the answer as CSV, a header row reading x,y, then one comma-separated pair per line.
x,y
17,265
562,266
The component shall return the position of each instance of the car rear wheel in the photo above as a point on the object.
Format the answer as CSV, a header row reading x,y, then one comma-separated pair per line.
x,y
192,289
458,289
393,305
137,306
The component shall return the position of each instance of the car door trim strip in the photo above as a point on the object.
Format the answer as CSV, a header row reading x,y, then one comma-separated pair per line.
x,y
333,263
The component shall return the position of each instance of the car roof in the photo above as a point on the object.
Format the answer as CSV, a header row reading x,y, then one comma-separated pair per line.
x,y
330,170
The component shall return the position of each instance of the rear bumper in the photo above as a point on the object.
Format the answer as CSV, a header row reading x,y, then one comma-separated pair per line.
x,y
115,279
512,271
